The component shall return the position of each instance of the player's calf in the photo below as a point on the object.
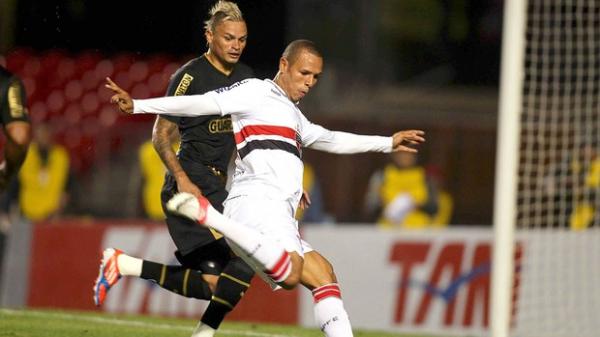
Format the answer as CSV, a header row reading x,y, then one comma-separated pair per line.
x,y
233,283
329,311
180,280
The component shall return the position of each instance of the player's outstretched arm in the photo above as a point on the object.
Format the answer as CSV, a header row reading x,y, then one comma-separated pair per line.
x,y
403,139
181,106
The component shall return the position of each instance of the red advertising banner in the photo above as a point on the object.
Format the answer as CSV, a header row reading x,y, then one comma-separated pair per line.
x,y
65,257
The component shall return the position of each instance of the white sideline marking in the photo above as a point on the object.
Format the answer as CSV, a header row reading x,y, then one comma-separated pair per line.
x,y
117,321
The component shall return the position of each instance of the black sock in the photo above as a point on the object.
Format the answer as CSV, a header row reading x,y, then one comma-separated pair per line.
x,y
180,280
233,283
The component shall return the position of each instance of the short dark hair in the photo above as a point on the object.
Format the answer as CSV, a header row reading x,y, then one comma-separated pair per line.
x,y
293,50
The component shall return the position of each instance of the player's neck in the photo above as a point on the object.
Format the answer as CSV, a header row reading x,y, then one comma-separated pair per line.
x,y
277,80
222,67
281,84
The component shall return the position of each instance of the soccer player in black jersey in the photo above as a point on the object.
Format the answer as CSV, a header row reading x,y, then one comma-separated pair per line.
x,y
200,168
17,131
15,122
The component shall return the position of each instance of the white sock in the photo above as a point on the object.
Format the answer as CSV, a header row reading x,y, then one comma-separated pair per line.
x,y
269,254
129,265
330,313
203,330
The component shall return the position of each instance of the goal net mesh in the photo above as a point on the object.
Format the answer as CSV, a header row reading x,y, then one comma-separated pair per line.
x,y
558,202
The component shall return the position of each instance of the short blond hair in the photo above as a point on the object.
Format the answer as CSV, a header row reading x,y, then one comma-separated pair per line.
x,y
222,11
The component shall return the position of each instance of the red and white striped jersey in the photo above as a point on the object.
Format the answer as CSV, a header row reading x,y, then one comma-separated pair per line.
x,y
269,131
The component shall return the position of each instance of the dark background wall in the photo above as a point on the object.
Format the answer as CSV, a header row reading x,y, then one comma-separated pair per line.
x,y
389,64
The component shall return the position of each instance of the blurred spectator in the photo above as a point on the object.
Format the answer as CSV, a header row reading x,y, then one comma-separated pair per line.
x,y
315,213
572,186
587,171
404,194
44,177
153,174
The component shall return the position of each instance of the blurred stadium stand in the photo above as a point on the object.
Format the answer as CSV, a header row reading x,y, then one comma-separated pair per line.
x,y
66,90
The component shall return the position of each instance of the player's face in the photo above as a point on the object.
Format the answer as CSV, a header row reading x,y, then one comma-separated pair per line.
x,y
299,77
228,41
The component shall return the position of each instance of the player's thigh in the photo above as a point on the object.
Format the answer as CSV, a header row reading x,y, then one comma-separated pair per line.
x,y
317,271
273,218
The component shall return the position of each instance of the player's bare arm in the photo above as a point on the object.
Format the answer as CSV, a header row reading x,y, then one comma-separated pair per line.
x,y
120,97
403,139
162,135
18,137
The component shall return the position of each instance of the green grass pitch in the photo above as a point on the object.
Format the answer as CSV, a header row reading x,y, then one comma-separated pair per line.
x,y
55,323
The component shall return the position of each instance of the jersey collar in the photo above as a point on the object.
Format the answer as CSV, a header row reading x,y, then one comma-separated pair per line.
x,y
216,68
278,88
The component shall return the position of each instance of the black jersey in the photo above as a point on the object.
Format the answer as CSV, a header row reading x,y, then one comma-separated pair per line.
x,y
12,98
206,140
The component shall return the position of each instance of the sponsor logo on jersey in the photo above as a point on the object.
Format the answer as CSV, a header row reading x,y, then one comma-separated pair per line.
x,y
237,84
15,104
221,125
184,84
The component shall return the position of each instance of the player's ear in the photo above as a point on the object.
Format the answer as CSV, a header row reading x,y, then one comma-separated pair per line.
x,y
283,64
209,37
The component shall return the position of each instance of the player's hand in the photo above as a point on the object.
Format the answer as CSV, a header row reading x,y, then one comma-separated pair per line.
x,y
186,185
121,97
404,139
304,200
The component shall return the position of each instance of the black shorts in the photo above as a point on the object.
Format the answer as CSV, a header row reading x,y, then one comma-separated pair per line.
x,y
209,259
188,235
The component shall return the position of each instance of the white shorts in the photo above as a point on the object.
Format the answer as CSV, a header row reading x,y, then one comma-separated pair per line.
x,y
273,218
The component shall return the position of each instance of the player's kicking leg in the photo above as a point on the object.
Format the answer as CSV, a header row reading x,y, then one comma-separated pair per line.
x,y
282,267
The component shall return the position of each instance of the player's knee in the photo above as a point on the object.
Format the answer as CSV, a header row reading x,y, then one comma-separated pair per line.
x,y
295,274
211,280
290,282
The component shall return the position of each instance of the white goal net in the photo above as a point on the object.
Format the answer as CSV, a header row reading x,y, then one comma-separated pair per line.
x,y
557,202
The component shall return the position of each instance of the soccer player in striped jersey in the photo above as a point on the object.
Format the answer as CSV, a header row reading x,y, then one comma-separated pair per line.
x,y
270,131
